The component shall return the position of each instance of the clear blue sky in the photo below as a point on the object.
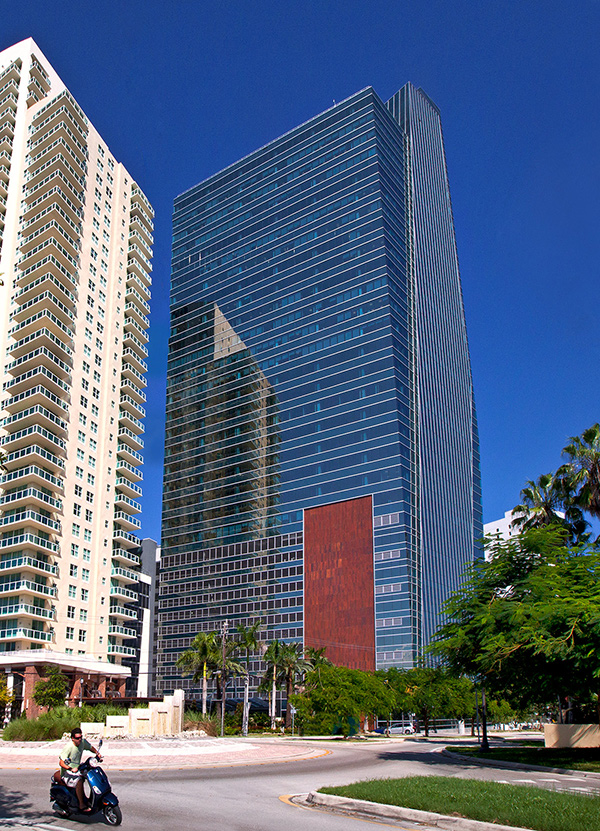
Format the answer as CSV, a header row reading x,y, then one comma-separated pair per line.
x,y
181,88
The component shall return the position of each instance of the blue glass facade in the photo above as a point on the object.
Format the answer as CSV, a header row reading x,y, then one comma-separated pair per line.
x,y
318,352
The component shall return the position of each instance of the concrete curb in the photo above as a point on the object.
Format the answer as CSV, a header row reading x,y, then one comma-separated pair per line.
x,y
376,809
500,763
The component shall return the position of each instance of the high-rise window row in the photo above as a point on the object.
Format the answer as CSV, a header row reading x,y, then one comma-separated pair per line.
x,y
319,389
76,236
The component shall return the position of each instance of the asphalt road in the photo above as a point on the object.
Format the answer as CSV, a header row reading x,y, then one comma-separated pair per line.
x,y
246,798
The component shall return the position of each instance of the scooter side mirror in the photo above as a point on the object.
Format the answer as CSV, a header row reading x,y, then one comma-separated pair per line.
x,y
99,744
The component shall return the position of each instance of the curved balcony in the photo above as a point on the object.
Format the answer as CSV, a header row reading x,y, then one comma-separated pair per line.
x,y
127,504
126,575
125,594
132,390
119,649
27,496
130,472
131,456
27,587
28,540
129,421
129,558
123,485
23,634
30,518
27,564
31,474
125,539
26,610
121,613
127,521
34,454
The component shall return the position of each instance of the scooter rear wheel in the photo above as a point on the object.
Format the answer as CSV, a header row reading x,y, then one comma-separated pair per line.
x,y
60,811
112,814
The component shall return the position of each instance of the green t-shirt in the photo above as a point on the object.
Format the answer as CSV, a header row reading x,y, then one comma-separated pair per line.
x,y
72,753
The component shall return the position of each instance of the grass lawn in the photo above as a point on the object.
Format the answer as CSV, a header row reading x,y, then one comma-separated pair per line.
x,y
517,805
580,759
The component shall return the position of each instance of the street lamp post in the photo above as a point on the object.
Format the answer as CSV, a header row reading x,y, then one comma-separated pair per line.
x,y
223,675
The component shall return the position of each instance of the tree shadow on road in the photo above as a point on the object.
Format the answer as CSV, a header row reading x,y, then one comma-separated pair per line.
x,y
15,804
425,757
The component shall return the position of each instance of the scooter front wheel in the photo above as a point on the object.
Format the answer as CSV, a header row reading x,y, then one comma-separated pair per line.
x,y
112,814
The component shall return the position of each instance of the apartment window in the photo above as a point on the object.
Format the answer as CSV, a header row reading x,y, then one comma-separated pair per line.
x,y
86,350
94,427
103,281
89,515
94,254
74,550
85,593
77,509
78,490
95,223
89,317
102,297
70,633
82,419
111,164
72,591
85,574
102,601
81,436
97,378
104,561
101,151
101,621
91,285
94,410
97,193
91,461
104,581
72,570
75,529
93,444
99,344
88,333
71,612
99,326
89,495
83,615
96,208
99,179
97,360
95,393
101,312
100,639
86,367
87,555
82,635
85,384
107,221
91,480
81,457
83,401
87,535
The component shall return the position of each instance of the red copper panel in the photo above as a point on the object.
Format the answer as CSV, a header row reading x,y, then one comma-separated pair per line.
x,y
339,605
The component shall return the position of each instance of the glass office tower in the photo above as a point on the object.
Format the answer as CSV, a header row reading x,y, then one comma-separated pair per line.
x,y
321,469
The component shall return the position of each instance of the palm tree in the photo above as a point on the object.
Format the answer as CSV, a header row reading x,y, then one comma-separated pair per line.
x,y
551,500
292,663
317,657
272,676
583,465
201,660
249,642
541,501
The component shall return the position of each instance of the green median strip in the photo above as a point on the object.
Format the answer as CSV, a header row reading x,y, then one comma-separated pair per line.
x,y
517,805
587,759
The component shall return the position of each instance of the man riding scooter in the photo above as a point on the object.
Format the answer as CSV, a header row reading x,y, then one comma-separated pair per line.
x,y
69,761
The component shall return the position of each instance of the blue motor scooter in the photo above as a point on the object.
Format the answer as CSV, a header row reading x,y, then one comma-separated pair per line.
x,y
101,798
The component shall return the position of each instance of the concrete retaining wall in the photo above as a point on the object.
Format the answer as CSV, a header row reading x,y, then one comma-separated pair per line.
x,y
572,735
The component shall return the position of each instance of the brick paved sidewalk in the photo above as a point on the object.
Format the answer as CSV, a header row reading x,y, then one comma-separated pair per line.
x,y
136,754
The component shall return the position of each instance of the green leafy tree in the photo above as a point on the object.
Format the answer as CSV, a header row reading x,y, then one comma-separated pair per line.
x,y
336,697
527,622
201,660
5,696
316,657
430,693
52,690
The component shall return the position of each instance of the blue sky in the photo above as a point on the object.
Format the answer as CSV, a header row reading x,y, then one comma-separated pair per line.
x,y
180,89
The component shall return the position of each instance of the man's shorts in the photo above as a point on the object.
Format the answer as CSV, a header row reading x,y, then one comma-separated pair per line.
x,y
70,778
